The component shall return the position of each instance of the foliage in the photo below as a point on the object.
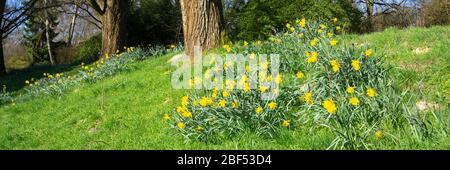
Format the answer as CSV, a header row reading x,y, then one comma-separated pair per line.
x,y
258,19
89,50
155,22
124,111
35,35
436,12
325,84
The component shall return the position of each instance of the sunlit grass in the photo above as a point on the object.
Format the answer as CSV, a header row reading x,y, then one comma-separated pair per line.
x,y
124,111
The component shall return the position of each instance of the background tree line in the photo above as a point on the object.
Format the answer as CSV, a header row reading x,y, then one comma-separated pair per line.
x,y
67,31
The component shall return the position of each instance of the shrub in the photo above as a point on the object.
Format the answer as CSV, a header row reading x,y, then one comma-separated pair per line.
x,y
155,22
258,19
436,12
90,50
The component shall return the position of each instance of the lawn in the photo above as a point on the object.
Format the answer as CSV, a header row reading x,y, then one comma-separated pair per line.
x,y
125,111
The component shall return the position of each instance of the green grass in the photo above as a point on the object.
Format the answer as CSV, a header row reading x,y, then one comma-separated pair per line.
x,y
427,72
125,111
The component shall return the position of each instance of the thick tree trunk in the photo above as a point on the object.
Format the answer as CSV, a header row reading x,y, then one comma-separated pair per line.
x,y
2,59
202,24
114,26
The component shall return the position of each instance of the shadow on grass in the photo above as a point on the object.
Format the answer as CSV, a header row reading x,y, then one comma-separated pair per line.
x,y
15,79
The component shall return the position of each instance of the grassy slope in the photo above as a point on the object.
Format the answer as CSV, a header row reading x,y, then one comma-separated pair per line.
x,y
124,111
426,73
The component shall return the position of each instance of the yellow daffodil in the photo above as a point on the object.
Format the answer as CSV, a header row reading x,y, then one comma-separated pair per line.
x,y
269,78
350,90
286,123
312,58
272,105
258,110
302,23
368,52
379,134
166,117
308,98
184,100
330,34
279,79
230,84
222,103
225,93
186,114
248,69
335,65
262,89
333,43
371,92
300,75
235,104
356,65
181,125
314,42
354,101
227,47
246,87
322,26
199,129
330,106
205,101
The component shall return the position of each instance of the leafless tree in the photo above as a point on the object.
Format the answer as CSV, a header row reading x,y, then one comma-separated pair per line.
x,y
12,17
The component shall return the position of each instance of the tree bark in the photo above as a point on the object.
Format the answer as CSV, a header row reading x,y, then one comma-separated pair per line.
x,y
47,35
369,11
202,24
114,24
72,24
2,59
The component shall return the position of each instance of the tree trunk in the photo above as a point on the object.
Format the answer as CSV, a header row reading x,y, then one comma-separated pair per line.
x,y
47,35
72,24
369,11
114,26
2,59
202,24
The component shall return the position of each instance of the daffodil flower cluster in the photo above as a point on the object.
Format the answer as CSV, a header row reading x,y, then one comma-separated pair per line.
x,y
323,80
